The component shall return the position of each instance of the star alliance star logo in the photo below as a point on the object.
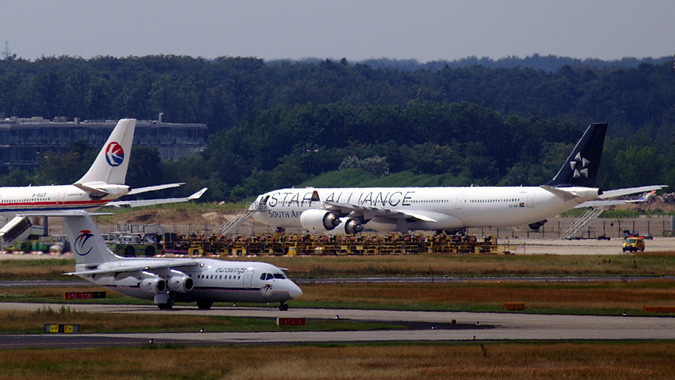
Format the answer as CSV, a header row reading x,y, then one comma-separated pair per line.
x,y
580,166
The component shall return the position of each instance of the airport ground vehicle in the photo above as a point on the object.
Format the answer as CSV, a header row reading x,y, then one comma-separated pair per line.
x,y
633,244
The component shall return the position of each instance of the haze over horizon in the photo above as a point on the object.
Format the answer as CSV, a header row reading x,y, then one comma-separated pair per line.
x,y
356,30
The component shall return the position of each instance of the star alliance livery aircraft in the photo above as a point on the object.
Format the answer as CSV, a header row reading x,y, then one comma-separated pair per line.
x,y
171,280
350,210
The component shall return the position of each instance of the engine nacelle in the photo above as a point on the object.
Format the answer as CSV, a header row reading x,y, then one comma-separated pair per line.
x,y
319,220
535,226
180,284
353,227
153,285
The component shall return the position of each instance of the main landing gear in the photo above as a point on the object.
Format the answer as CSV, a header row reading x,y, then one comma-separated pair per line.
x,y
165,301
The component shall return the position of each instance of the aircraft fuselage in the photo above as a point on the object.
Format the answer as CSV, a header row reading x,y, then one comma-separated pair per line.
x,y
444,208
57,197
214,280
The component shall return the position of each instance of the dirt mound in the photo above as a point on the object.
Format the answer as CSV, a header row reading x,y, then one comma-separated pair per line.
x,y
159,216
664,203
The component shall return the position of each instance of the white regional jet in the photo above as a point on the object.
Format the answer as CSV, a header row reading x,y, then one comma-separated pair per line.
x,y
172,280
350,210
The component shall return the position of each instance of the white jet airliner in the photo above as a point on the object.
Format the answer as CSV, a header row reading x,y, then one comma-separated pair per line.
x,y
167,280
101,185
350,210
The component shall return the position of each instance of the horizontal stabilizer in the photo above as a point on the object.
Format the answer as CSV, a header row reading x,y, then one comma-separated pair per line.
x,y
96,193
562,193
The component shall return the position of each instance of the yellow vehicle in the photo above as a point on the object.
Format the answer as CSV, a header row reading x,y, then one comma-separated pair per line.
x,y
633,244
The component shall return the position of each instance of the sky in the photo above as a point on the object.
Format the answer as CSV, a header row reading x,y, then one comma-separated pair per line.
x,y
425,30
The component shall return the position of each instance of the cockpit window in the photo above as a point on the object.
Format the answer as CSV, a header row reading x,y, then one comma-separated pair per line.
x,y
269,276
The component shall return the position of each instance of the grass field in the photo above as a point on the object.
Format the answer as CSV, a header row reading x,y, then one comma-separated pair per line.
x,y
642,264
32,322
547,360
588,297
476,360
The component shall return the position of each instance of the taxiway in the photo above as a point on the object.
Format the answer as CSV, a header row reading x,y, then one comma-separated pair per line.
x,y
485,327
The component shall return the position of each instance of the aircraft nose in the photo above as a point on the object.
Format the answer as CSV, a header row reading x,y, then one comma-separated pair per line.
x,y
294,290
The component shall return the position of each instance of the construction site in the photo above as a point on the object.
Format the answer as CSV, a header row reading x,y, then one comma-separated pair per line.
x,y
290,244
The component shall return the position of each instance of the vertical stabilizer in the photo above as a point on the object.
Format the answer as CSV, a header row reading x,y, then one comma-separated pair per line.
x,y
581,167
85,239
112,161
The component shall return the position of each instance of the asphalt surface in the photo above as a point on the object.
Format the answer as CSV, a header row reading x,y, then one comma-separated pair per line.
x,y
469,327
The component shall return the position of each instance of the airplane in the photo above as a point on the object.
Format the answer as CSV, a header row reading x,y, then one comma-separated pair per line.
x,y
170,280
103,182
449,209
101,186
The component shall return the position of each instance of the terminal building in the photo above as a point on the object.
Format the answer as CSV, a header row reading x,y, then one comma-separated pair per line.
x,y
22,140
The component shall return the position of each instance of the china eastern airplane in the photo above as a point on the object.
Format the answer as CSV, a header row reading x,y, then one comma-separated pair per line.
x,y
167,281
101,185
350,210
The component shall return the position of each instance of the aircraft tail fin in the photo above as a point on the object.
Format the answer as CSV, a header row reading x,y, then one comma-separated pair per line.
x,y
581,167
110,166
85,239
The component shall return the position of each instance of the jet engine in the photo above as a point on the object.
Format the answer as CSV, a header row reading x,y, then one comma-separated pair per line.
x,y
153,285
319,220
353,227
180,284
535,226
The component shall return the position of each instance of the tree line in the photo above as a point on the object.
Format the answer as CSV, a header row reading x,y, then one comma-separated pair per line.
x,y
288,123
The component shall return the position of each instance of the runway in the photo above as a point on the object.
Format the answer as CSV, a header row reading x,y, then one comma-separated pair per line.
x,y
482,327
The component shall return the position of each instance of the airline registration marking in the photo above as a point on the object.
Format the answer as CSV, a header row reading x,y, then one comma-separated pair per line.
x,y
365,198
283,214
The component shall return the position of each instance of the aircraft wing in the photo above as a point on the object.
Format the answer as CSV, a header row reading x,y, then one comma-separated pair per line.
x,y
154,188
603,203
163,264
629,190
370,212
150,202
